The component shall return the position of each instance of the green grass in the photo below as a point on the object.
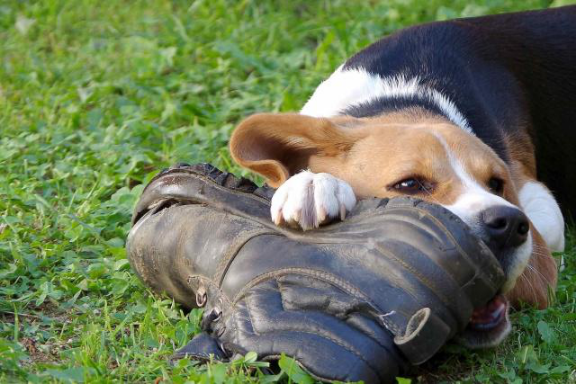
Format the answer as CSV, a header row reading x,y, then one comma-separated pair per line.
x,y
97,96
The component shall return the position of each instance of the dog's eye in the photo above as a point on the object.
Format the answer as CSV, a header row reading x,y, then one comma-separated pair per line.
x,y
412,186
496,185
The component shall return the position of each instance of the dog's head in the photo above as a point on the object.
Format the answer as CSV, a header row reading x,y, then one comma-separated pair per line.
x,y
404,154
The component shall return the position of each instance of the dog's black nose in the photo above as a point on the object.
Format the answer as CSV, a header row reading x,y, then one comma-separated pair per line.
x,y
505,226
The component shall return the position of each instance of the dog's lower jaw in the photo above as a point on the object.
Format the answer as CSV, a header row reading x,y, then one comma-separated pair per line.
x,y
474,339
483,339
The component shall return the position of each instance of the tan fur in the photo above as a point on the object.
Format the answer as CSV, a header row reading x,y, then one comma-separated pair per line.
x,y
280,145
373,154
541,274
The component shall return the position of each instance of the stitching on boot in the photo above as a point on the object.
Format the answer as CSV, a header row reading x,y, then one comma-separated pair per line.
x,y
319,333
327,277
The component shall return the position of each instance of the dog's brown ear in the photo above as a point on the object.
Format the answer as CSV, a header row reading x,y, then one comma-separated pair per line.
x,y
277,146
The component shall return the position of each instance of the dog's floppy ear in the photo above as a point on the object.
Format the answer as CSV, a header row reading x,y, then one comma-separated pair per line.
x,y
277,146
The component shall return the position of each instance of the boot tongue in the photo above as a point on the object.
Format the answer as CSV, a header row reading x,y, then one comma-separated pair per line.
x,y
490,315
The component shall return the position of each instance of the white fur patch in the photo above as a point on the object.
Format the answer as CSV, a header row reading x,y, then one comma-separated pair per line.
x,y
544,213
472,202
350,88
475,197
309,199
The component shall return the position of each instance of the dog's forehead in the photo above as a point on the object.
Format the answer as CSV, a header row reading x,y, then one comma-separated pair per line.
x,y
399,142
433,149
430,137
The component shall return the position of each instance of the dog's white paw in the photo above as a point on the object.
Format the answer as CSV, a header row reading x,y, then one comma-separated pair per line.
x,y
309,200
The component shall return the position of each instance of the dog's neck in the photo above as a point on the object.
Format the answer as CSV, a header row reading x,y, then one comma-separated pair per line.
x,y
357,93
409,114
399,93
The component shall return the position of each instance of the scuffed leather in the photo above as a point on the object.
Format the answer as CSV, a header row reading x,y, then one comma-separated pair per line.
x,y
355,300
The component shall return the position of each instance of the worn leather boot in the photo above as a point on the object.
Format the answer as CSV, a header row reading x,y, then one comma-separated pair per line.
x,y
355,300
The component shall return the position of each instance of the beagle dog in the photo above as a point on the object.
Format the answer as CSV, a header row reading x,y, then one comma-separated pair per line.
x,y
477,115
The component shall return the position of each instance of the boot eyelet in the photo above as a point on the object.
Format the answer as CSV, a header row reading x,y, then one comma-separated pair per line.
x,y
201,297
218,314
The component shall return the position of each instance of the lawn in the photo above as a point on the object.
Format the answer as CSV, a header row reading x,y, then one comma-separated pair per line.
x,y
97,96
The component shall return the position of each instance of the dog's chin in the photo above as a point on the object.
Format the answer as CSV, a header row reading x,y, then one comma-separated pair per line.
x,y
489,325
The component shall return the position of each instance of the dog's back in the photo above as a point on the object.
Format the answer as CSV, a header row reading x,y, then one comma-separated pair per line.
x,y
510,76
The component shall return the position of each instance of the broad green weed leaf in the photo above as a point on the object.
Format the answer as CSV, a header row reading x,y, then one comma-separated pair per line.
x,y
546,332
293,370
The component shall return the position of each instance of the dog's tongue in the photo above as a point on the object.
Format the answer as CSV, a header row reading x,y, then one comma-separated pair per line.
x,y
490,315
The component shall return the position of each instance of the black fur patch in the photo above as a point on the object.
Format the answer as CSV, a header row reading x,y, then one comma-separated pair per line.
x,y
383,105
505,73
